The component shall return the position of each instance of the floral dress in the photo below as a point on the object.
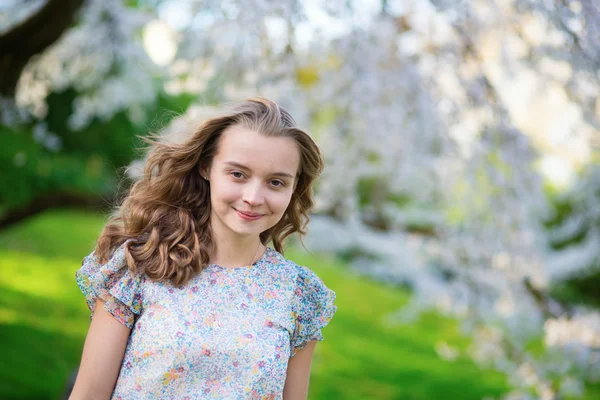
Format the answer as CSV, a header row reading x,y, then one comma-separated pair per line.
x,y
226,334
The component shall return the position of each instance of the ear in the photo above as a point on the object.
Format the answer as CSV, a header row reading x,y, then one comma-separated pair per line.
x,y
204,172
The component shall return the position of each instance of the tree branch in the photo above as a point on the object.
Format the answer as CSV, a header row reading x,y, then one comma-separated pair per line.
x,y
31,37
55,200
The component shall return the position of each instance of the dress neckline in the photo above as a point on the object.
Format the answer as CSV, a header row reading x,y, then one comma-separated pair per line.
x,y
243,267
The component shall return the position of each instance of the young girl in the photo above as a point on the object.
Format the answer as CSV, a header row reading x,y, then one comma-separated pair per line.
x,y
187,299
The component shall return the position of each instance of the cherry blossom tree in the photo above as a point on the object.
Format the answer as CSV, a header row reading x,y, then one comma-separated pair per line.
x,y
433,174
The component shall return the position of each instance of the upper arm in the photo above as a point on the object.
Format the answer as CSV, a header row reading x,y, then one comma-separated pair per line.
x,y
102,356
298,373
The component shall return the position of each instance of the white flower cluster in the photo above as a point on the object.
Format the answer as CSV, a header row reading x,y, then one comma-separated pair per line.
x,y
386,135
13,12
100,59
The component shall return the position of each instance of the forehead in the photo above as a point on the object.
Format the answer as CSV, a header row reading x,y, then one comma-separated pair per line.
x,y
264,154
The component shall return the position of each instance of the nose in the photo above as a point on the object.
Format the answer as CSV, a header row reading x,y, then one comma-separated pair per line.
x,y
253,194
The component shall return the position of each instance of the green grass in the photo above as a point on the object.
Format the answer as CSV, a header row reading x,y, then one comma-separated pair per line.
x,y
42,319
43,322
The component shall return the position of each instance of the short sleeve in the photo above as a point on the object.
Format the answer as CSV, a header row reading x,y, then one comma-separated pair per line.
x,y
313,307
112,283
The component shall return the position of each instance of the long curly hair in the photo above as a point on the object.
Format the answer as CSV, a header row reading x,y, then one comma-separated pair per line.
x,y
165,217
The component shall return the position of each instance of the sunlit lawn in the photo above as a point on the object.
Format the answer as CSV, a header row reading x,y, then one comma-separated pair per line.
x,y
43,321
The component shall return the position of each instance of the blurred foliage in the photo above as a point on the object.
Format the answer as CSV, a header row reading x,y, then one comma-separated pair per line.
x,y
583,288
30,170
89,163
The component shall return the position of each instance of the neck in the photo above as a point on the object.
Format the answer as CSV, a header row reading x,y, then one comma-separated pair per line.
x,y
231,250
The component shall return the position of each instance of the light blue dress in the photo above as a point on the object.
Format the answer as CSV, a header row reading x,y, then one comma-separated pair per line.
x,y
226,334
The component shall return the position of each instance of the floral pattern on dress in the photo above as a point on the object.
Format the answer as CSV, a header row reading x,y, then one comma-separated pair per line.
x,y
228,333
112,283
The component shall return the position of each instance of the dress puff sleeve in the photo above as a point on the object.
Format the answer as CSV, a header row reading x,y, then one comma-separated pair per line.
x,y
112,283
313,307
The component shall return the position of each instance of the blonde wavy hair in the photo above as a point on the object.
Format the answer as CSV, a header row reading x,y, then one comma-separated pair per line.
x,y
165,217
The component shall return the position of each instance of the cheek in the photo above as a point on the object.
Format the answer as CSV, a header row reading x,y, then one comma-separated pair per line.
x,y
280,202
225,192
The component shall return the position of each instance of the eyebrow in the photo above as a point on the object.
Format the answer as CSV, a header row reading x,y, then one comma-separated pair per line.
x,y
242,166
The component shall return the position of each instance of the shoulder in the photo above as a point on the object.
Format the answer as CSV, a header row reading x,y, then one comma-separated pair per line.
x,y
304,282
281,265
113,283
117,256
116,265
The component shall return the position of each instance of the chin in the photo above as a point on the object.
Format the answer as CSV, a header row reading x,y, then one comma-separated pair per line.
x,y
242,230
247,232
250,230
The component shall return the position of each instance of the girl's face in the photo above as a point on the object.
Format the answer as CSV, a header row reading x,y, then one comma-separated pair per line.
x,y
252,178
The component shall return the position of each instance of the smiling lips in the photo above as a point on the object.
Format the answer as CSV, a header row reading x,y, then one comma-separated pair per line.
x,y
248,216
